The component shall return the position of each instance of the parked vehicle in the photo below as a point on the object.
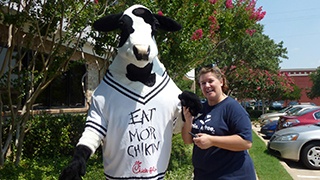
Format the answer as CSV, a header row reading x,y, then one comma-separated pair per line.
x,y
277,113
309,103
308,116
276,105
268,117
268,129
248,104
300,143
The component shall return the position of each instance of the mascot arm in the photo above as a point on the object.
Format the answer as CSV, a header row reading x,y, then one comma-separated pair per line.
x,y
178,123
91,140
87,145
77,167
191,101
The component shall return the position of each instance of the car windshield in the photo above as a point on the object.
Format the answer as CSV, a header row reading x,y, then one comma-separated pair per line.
x,y
306,111
293,110
285,109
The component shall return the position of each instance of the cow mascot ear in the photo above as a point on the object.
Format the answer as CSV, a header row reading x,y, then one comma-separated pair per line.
x,y
191,101
167,24
111,22
108,23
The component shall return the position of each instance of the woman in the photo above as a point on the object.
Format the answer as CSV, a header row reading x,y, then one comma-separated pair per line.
x,y
221,133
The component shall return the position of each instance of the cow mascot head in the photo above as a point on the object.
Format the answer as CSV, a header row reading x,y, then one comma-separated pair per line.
x,y
135,109
137,51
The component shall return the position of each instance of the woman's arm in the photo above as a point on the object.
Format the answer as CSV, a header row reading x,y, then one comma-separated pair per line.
x,y
231,142
239,123
187,126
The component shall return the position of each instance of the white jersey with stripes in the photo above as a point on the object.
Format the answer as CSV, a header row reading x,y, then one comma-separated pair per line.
x,y
134,125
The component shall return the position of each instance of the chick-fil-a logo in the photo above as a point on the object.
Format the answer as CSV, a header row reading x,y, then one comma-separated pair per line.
x,y
137,169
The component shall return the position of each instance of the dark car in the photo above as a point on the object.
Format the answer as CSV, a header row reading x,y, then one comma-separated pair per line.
x,y
269,128
276,105
308,116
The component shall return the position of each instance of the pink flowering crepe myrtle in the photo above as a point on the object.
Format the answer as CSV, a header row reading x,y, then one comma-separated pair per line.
x,y
229,4
197,35
160,13
255,14
212,1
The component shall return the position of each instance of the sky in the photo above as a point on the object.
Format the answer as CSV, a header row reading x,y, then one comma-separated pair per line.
x,y
297,24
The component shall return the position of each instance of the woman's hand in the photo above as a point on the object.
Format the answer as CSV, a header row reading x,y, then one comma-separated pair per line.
x,y
231,142
187,115
187,138
203,141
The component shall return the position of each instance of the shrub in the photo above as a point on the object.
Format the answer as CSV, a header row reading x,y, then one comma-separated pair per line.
x,y
53,135
254,113
180,164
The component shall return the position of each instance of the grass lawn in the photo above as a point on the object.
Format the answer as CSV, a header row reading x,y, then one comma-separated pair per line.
x,y
267,166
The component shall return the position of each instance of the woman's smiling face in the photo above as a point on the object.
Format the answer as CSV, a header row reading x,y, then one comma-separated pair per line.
x,y
211,87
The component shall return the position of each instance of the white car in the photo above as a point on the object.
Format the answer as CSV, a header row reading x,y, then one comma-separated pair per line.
x,y
299,143
268,117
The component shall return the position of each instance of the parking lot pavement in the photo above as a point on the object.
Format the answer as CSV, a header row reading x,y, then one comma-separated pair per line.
x,y
295,169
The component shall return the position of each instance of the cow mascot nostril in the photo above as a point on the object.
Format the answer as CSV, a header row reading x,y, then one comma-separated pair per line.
x,y
141,52
135,109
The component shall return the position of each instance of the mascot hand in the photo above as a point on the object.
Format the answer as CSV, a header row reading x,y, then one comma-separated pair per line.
x,y
77,167
191,101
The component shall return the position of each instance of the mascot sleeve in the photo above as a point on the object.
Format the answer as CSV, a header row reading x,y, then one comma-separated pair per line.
x,y
178,123
95,128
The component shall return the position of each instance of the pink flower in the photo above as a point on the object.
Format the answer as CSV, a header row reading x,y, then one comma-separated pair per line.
x,y
96,1
214,26
213,19
272,82
233,67
197,34
259,14
256,15
212,1
160,13
229,4
250,31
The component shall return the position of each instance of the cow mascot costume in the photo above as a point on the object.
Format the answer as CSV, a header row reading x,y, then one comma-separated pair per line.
x,y
135,109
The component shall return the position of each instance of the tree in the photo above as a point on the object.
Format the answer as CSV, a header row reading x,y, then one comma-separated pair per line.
x,y
211,30
256,52
257,49
314,92
206,26
50,33
294,95
42,38
258,84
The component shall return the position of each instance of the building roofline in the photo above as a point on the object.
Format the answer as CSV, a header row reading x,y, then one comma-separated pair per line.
x,y
299,69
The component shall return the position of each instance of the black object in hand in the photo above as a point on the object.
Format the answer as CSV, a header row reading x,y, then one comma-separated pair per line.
x,y
193,135
191,101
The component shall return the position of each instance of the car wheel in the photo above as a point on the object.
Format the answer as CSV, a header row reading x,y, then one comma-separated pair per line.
x,y
310,155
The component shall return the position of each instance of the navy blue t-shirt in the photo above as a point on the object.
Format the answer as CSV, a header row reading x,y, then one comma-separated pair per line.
x,y
226,118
